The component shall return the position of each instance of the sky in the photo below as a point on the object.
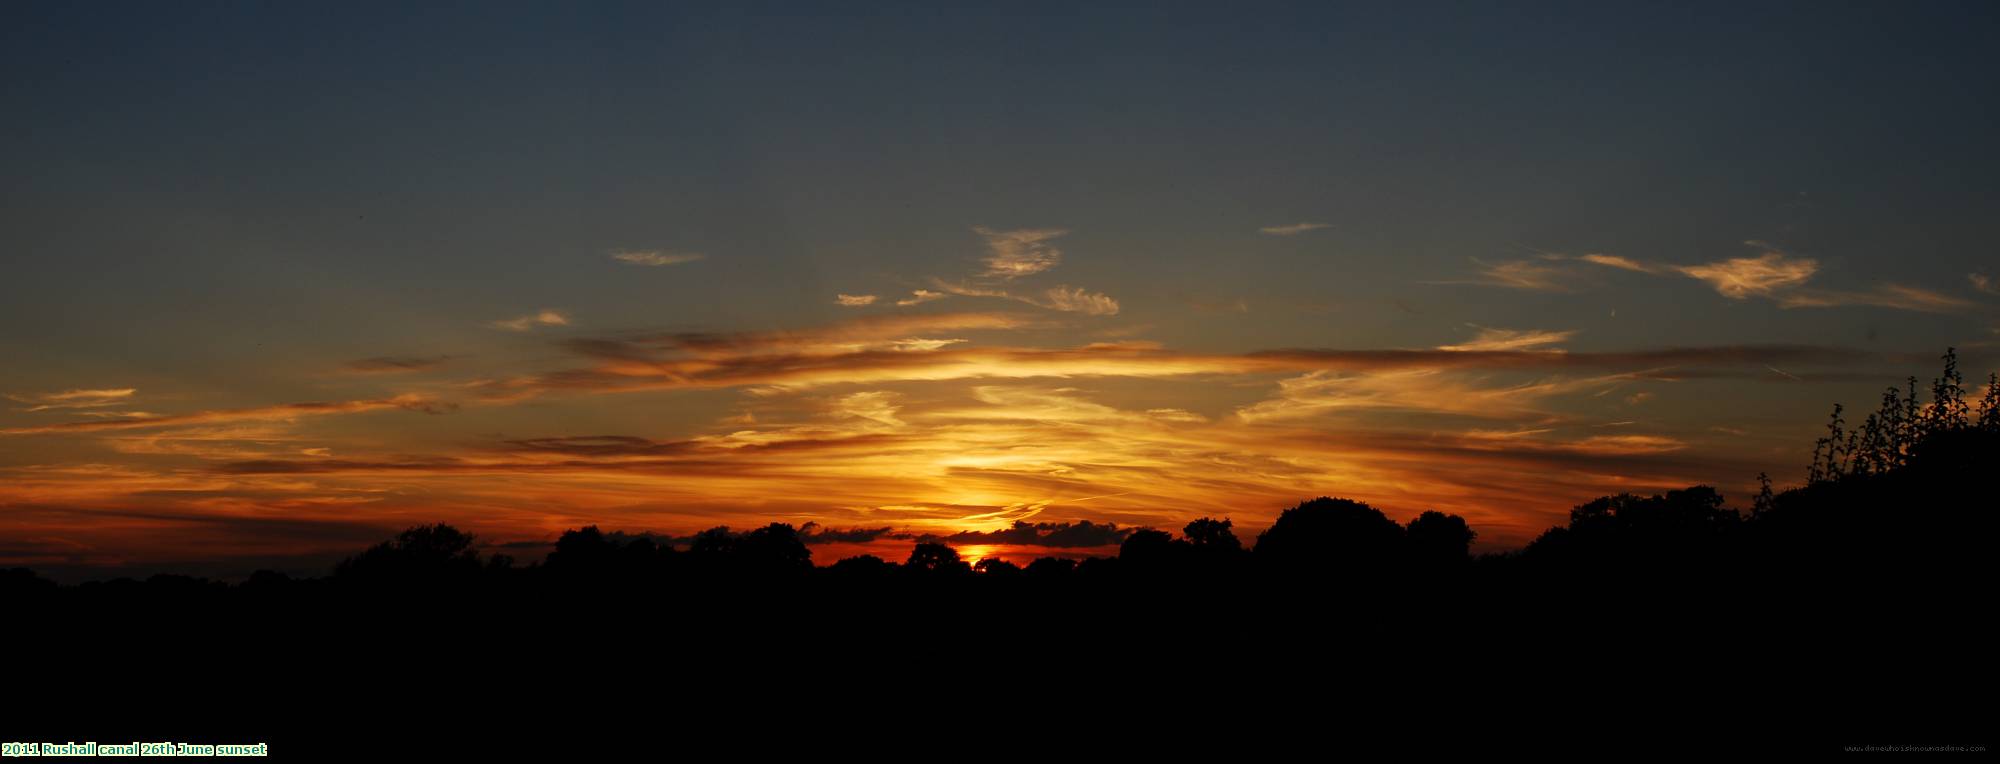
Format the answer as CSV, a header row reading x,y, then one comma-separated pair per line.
x,y
283,279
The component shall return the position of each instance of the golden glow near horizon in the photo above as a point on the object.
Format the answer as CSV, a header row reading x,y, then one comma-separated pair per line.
x,y
866,423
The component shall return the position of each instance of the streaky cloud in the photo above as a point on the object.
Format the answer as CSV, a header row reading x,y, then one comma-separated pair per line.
x,y
1206,304
1065,298
919,297
1621,262
1023,252
1895,296
1782,278
655,258
1510,339
1533,274
543,317
410,402
75,399
1744,277
394,364
892,348
1293,229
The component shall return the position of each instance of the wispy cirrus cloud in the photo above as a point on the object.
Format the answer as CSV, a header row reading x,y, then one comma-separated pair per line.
x,y
1511,339
1599,445
655,258
915,348
1895,296
1761,276
409,402
877,407
921,296
852,335
1540,274
75,399
1983,283
854,300
1206,304
394,364
1068,299
1010,255
1783,278
1293,229
1077,300
1621,262
1022,252
543,317
1431,390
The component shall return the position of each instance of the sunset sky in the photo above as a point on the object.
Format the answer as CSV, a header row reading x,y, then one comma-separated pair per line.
x,y
283,279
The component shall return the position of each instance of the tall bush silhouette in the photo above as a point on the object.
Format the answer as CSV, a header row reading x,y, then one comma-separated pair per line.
x,y
1889,437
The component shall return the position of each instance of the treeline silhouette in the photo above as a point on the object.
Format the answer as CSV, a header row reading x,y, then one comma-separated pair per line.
x,y
1844,604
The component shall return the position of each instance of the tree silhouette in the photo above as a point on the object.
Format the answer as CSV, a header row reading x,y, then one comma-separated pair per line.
x,y
1153,550
423,553
1330,534
861,569
994,566
774,548
932,558
1437,539
584,549
1050,568
1212,536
